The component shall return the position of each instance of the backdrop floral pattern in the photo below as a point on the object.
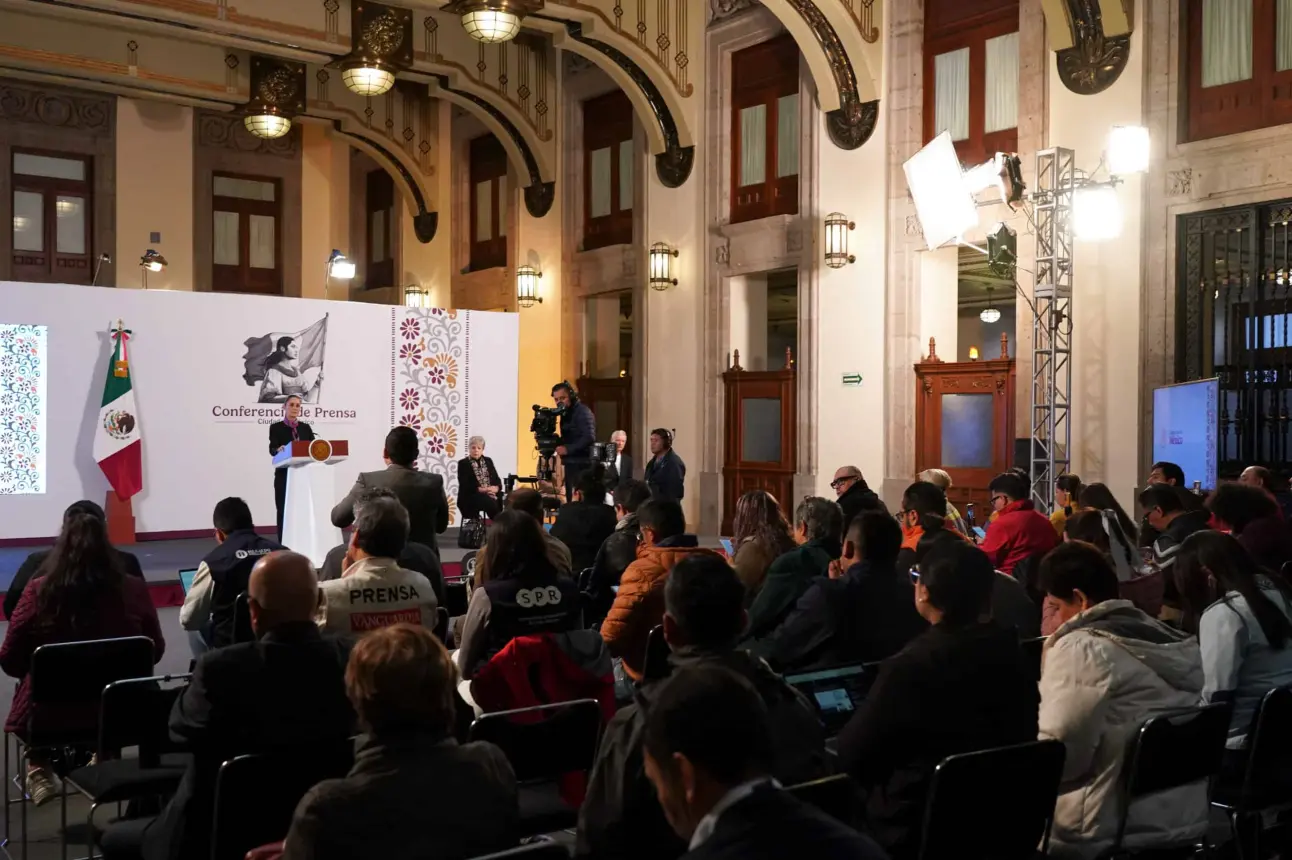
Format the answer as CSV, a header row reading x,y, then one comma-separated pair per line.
x,y
23,360
429,388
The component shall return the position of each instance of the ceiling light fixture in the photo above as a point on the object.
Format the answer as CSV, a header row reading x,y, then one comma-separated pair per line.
x,y
381,44
493,21
277,95
991,313
367,77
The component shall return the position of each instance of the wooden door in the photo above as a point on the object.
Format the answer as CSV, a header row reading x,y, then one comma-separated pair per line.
x,y
964,424
760,448
611,401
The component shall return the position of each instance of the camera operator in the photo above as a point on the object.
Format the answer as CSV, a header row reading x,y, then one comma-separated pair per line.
x,y
578,433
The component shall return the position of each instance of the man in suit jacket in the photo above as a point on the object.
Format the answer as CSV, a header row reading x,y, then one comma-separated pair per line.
x,y
421,492
31,564
284,691
708,746
622,468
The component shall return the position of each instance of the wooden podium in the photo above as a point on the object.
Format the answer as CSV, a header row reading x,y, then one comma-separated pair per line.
x,y
311,493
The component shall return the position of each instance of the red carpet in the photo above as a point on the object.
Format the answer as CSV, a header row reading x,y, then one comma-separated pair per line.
x,y
172,594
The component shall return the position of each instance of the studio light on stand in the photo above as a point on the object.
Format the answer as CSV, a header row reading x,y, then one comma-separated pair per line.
x,y
661,266
837,228
1096,213
105,257
1128,150
151,261
339,267
527,278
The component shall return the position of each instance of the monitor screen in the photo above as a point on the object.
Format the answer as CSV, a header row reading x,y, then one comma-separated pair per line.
x,y
186,579
1186,429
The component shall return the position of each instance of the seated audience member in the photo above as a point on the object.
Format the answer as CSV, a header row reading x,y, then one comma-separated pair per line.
x,y
285,691
639,604
1107,670
128,562
529,501
1097,497
1160,473
960,686
1275,485
1019,532
1067,491
524,595
479,487
760,535
863,612
708,746
941,480
374,591
1242,615
617,551
413,793
854,495
924,529
1165,512
1102,530
415,557
703,620
421,493
818,531
209,606
79,592
585,523
1251,515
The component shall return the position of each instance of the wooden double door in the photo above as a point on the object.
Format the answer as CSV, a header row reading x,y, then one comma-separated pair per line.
x,y
759,440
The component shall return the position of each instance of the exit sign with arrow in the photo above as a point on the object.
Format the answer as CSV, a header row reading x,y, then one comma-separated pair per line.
x,y
852,379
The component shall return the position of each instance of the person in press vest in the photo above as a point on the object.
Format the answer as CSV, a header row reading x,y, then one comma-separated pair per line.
x,y
210,605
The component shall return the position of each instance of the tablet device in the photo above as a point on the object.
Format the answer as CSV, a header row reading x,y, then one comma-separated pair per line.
x,y
186,579
981,535
726,544
835,693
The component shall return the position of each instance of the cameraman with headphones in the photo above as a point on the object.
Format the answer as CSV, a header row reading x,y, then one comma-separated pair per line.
x,y
578,433
665,473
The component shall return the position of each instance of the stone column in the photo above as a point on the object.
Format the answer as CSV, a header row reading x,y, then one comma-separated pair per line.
x,y
325,206
155,186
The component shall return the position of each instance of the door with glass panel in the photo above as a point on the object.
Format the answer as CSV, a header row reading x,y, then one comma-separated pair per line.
x,y
759,439
51,217
245,238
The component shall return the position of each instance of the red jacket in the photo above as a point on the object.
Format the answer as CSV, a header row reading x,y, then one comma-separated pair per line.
x,y
1019,532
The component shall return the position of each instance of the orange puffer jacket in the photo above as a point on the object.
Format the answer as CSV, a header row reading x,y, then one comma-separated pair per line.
x,y
639,605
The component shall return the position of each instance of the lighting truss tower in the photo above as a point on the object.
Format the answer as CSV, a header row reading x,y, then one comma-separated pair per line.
x,y
1056,182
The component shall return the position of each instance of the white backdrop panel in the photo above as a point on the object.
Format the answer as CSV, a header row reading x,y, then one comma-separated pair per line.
x,y
198,366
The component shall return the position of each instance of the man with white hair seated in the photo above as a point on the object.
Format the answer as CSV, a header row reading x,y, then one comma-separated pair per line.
x,y
621,469
479,487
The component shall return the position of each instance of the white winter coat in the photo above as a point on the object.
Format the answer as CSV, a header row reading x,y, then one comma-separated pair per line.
x,y
1106,672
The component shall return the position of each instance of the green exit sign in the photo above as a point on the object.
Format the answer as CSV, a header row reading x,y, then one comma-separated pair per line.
x,y
852,379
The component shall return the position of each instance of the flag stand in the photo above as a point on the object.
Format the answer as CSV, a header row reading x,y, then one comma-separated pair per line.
x,y
121,519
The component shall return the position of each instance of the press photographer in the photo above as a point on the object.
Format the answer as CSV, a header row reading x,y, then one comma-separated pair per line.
x,y
577,435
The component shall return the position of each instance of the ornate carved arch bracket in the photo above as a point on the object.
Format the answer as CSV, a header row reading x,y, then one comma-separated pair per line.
x,y
539,195
1091,39
673,165
854,122
425,222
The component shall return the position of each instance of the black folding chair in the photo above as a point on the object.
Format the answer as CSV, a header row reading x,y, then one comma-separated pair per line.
x,y
456,597
242,631
469,565
544,743
134,713
441,624
256,795
533,851
1002,799
656,665
836,796
65,684
1266,783
1033,651
1167,752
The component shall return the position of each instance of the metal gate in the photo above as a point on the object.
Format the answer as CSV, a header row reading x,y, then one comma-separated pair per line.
x,y
1234,312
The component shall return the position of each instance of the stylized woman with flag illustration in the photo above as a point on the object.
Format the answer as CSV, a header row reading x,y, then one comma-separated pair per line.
x,y
284,376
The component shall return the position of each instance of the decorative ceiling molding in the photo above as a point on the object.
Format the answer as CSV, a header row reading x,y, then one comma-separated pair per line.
x,y
425,222
852,124
1091,39
660,30
88,114
226,131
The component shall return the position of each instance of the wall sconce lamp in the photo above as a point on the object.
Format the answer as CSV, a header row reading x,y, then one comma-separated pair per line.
x,y
527,278
151,261
416,297
973,353
837,228
661,266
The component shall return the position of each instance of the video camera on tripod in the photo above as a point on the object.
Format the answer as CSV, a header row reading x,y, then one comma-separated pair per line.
x,y
543,427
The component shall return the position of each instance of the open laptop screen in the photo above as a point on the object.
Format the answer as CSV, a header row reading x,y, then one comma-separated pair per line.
x,y
837,693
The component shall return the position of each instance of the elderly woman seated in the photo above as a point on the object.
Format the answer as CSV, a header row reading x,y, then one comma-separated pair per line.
x,y
940,478
479,487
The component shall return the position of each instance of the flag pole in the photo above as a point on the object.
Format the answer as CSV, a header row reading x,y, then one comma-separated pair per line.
x,y
120,512
323,358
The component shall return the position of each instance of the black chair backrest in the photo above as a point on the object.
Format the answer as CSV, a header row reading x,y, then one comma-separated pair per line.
x,y
1004,797
1173,750
657,653
456,597
136,713
242,631
441,624
546,741
836,796
1032,651
255,795
67,678
1269,760
533,851
585,578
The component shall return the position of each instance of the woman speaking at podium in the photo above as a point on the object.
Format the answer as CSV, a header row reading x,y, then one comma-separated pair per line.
x,y
281,434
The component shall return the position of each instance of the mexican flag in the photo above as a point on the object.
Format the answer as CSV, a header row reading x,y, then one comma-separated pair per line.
x,y
117,441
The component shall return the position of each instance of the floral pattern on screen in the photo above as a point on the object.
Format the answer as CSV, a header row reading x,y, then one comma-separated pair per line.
x,y
429,388
23,368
